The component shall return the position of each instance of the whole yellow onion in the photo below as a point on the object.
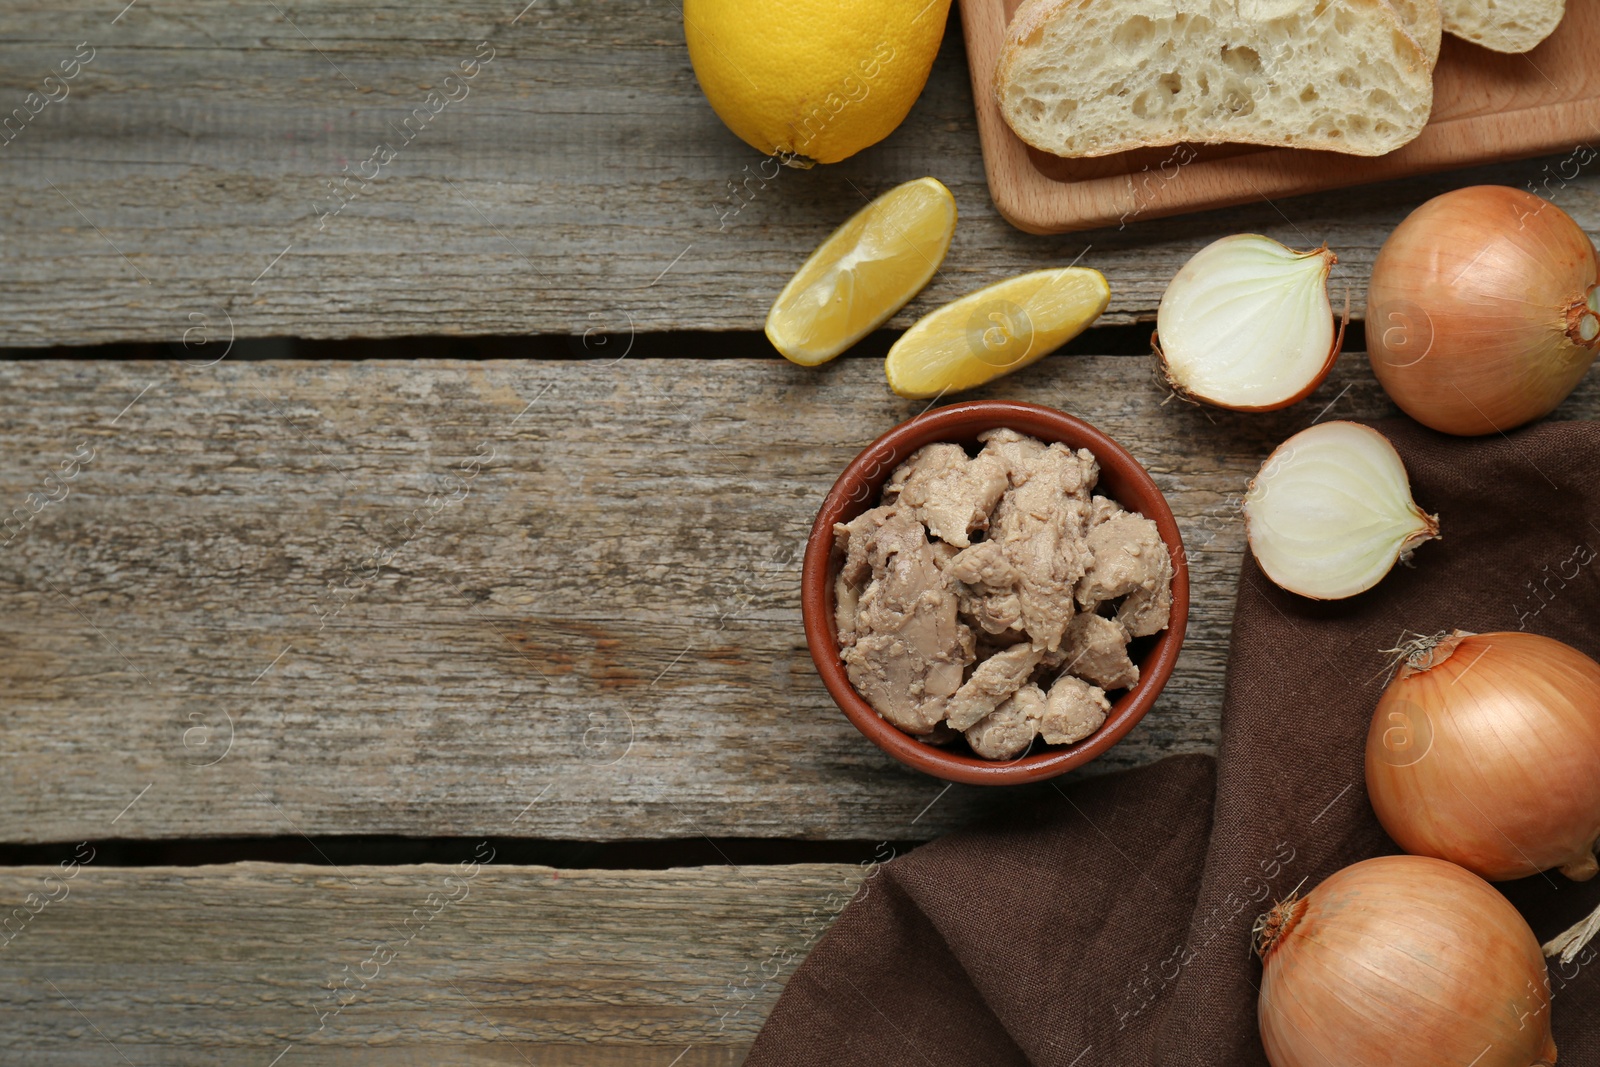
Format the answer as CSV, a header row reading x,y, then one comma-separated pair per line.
x,y
1402,960
1482,313
1485,751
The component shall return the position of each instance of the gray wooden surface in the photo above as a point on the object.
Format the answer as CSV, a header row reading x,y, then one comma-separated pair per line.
x,y
533,599
428,964
246,612
581,184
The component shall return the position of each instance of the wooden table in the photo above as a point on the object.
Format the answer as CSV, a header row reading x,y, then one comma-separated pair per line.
x,y
508,595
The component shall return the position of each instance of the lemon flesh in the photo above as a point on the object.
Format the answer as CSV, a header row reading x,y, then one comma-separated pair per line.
x,y
813,80
864,273
994,331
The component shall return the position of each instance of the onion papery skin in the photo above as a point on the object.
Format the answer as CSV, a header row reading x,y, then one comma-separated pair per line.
x,y
1477,308
1490,756
1407,961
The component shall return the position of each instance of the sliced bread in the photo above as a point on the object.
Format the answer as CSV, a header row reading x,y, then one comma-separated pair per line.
x,y
1094,77
1424,21
1503,25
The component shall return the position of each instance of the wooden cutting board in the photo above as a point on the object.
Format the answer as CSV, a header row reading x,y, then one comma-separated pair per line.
x,y
1487,107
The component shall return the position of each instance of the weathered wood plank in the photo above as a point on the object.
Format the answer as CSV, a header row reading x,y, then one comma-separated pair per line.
x,y
433,964
593,635
581,182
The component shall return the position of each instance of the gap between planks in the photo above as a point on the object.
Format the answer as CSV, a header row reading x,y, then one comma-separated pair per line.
x,y
185,186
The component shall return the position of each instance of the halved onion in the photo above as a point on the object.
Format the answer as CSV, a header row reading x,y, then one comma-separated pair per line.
x,y
1331,512
1246,324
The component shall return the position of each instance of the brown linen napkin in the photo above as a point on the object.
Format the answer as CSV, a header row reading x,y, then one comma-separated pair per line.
x,y
1110,924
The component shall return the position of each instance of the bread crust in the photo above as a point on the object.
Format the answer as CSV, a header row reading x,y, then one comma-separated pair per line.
x,y
1463,19
1423,22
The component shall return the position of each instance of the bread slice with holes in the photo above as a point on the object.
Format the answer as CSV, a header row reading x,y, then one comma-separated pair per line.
x,y
1094,77
1423,21
1503,25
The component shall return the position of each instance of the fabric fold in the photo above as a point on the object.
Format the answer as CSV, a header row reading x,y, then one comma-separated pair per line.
x,y
1110,922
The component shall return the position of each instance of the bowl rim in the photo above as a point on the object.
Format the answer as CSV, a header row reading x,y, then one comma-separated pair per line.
x,y
857,489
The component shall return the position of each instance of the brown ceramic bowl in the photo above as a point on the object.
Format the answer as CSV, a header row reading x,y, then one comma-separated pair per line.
x,y
857,490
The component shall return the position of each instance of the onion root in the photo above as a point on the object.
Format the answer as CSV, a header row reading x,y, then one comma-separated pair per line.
x,y
1583,318
1573,941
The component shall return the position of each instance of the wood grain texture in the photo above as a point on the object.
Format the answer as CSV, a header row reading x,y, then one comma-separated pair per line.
x,y
1487,107
583,183
242,963
593,635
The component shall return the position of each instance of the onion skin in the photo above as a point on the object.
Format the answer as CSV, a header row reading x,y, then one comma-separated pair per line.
x,y
1476,313
1487,754
1402,960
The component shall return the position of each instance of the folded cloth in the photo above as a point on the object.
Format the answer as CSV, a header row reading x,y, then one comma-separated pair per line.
x,y
1109,924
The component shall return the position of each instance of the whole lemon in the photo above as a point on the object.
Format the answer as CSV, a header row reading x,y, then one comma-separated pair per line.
x,y
813,81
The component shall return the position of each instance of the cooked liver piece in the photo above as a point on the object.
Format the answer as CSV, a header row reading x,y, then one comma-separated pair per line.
x,y
1147,611
992,681
1096,648
988,591
1128,556
852,538
1074,710
910,650
1015,451
983,566
1008,730
1104,508
948,492
1041,526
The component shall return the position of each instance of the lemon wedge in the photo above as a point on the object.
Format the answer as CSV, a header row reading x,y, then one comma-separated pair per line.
x,y
994,331
864,273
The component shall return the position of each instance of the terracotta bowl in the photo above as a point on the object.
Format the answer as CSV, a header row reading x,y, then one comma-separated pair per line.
x,y
857,490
